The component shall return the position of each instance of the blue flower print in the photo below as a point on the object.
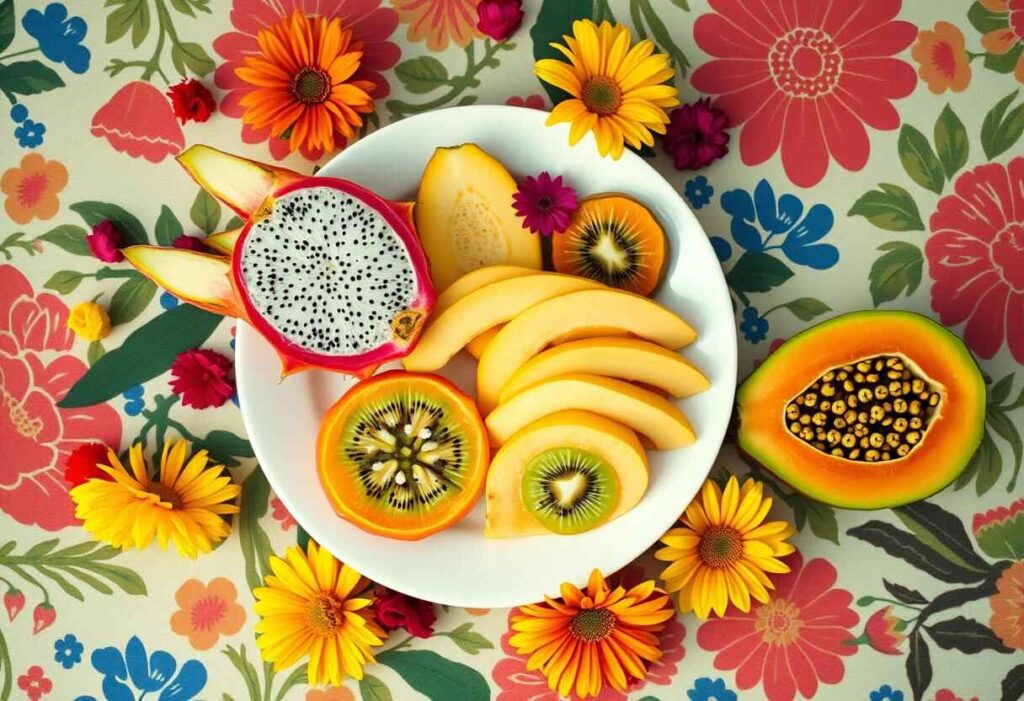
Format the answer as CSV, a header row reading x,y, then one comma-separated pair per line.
x,y
147,674
19,113
135,403
754,326
68,651
707,689
30,133
168,301
762,223
698,192
886,693
59,36
722,248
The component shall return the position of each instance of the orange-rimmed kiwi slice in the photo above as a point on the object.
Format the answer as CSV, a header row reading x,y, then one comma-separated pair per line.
x,y
403,455
615,240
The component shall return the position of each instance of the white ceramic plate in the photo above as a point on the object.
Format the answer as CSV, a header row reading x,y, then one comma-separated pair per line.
x,y
458,566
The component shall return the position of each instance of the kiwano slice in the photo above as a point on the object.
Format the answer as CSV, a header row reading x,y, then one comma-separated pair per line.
x,y
403,455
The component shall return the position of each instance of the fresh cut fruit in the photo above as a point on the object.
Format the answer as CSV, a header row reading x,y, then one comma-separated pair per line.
x,y
331,274
223,241
403,455
630,359
588,312
868,410
470,282
615,240
448,332
465,218
641,410
549,477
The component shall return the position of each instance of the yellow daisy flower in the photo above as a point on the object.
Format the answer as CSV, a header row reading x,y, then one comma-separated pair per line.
x,y
618,91
185,504
588,639
314,605
724,549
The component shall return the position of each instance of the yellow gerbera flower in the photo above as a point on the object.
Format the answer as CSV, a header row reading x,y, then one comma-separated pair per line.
x,y
185,504
587,640
724,549
618,92
312,605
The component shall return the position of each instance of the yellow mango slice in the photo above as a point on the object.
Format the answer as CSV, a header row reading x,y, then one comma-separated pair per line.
x,y
573,314
641,410
464,216
508,517
483,309
478,345
474,280
623,358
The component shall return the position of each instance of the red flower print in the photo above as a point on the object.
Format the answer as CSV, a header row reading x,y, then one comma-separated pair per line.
x,y
34,683
792,642
43,616
36,371
138,120
517,683
532,101
371,24
281,514
976,257
806,76
948,695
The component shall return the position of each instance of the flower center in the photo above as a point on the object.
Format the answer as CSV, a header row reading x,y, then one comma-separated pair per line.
x,y
326,614
207,612
944,59
1008,255
25,424
311,85
602,95
592,625
720,546
165,493
778,622
31,189
544,203
805,63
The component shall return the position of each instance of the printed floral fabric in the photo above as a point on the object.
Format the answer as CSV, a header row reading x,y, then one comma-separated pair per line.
x,y
877,161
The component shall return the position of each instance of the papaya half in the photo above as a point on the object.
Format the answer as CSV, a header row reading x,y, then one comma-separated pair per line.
x,y
868,410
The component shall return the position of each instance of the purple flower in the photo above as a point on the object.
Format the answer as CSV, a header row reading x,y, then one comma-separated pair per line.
x,y
696,136
545,204
105,242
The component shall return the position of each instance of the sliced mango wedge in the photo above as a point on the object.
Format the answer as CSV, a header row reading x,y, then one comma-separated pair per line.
x,y
648,413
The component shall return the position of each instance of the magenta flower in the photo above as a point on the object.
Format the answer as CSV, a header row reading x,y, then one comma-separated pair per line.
x,y
105,242
190,243
202,378
545,204
696,136
499,19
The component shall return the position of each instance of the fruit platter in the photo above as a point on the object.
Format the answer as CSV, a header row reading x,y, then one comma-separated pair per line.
x,y
455,407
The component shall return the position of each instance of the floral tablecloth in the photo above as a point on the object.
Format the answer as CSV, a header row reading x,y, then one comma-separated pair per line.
x,y
876,162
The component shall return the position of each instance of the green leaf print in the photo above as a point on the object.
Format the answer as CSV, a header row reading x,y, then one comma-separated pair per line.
x,y
951,142
1001,130
435,677
891,208
205,212
127,224
422,74
898,271
920,162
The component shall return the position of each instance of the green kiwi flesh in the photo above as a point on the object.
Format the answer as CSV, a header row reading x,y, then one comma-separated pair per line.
x,y
569,490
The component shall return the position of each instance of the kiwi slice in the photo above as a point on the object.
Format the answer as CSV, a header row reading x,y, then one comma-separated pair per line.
x,y
569,490
406,451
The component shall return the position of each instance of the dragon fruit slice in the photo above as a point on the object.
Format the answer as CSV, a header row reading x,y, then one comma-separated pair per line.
x,y
331,274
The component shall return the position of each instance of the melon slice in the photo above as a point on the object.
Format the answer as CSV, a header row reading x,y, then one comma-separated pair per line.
x,y
238,182
642,410
198,278
465,219
507,516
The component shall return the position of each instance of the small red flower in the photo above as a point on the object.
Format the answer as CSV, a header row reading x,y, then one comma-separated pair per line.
x,y
43,616
190,243
545,204
191,100
14,602
696,135
105,242
281,514
34,683
81,465
499,19
533,101
396,610
202,378
882,631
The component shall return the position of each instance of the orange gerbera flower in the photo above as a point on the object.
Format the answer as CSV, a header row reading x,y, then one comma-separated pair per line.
x,y
303,82
32,189
943,58
587,640
437,21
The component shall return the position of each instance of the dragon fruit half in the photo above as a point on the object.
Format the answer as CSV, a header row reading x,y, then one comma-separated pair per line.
x,y
331,274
